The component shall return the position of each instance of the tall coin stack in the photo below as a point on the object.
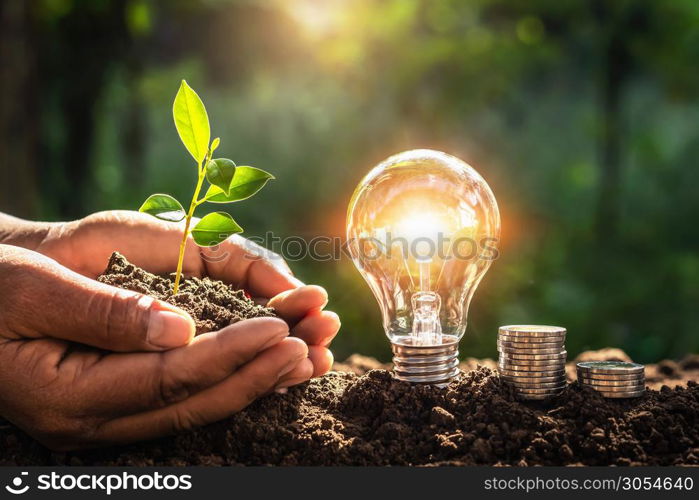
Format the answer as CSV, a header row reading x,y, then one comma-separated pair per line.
x,y
613,379
532,358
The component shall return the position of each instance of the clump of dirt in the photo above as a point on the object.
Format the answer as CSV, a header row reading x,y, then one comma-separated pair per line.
x,y
211,303
374,419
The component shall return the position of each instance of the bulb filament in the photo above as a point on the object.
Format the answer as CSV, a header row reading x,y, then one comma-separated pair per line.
x,y
426,305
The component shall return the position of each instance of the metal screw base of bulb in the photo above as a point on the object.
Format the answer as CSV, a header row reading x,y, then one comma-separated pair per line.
x,y
426,364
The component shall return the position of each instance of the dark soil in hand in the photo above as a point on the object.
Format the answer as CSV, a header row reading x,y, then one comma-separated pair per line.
x,y
371,419
211,303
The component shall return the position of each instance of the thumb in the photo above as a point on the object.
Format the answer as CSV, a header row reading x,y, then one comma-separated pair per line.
x,y
59,303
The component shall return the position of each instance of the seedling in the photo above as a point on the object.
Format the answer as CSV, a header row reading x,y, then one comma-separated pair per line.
x,y
228,182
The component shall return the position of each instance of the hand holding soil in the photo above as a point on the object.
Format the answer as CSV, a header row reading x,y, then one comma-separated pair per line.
x,y
114,365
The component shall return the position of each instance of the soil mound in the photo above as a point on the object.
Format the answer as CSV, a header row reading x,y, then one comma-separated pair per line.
x,y
361,415
373,419
212,304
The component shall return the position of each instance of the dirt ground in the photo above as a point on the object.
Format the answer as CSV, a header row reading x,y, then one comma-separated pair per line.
x,y
360,415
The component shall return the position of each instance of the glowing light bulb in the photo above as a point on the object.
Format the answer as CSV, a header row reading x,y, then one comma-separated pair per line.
x,y
423,228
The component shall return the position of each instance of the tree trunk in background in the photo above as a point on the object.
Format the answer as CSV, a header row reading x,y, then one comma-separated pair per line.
x,y
615,71
133,139
79,118
610,143
18,110
82,74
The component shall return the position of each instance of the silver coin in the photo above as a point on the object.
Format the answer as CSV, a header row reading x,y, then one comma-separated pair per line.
x,y
526,395
531,345
533,357
537,351
529,366
552,390
618,388
532,380
538,385
610,367
532,330
622,395
611,383
538,390
533,374
531,340
610,376
536,397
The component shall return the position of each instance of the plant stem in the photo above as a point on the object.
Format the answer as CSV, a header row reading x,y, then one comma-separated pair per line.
x,y
190,213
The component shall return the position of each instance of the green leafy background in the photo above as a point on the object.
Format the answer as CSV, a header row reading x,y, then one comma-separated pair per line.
x,y
582,116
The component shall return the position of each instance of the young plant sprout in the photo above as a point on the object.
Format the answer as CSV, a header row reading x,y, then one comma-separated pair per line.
x,y
228,182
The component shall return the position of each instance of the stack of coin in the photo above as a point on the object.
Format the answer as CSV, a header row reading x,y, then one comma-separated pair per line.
x,y
613,379
533,359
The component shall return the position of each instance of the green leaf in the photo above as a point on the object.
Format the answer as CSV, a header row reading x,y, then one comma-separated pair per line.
x,y
246,182
214,145
213,228
163,206
192,122
220,172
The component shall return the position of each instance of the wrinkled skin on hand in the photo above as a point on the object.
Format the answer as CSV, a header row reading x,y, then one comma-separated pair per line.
x,y
83,364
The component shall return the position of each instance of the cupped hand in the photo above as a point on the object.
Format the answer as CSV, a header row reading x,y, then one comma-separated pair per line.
x,y
86,244
84,364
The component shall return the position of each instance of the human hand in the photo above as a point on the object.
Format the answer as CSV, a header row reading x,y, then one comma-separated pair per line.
x,y
71,376
86,244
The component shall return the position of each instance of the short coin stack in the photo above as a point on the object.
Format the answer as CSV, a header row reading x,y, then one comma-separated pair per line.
x,y
533,359
613,379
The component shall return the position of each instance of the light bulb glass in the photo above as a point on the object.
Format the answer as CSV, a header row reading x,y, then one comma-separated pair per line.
x,y
423,228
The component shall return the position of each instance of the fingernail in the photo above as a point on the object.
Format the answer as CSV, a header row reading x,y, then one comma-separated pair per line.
x,y
329,340
168,329
274,341
288,367
283,384
296,281
288,383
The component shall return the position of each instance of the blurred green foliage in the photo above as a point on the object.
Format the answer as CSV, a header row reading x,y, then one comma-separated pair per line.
x,y
580,114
